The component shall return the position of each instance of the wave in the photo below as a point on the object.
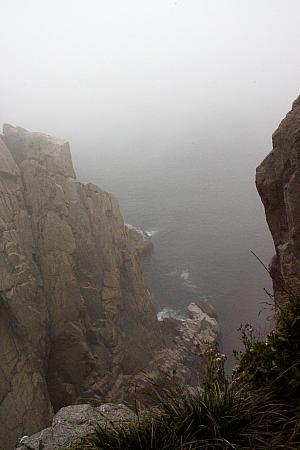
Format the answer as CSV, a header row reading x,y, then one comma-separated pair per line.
x,y
190,285
173,273
151,232
185,275
167,313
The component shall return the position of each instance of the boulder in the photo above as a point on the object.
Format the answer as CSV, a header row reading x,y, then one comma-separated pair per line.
x,y
74,423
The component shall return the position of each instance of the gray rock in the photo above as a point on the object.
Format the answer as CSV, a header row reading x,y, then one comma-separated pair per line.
x,y
73,423
182,359
76,319
278,183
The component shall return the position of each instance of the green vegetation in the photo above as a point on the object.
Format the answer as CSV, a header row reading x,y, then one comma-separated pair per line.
x,y
257,408
275,362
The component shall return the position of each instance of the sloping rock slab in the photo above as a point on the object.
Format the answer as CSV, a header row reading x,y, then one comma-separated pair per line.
x,y
72,423
183,358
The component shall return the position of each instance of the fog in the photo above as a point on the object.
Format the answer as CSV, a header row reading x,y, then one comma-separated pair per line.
x,y
129,77
170,105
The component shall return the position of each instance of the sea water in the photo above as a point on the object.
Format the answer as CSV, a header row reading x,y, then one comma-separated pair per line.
x,y
205,216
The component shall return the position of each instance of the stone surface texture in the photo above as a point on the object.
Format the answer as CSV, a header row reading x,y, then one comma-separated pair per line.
x,y
139,240
278,183
183,357
76,318
73,423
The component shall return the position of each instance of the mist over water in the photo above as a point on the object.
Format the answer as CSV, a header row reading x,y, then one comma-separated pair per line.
x,y
170,105
205,215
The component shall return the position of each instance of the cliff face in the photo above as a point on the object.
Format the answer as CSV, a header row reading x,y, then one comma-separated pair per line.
x,y
182,360
278,183
76,318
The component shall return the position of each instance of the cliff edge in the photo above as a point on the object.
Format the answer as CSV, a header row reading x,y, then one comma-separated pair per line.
x,y
278,183
76,317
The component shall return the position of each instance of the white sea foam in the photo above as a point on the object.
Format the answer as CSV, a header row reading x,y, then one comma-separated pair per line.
x,y
185,275
151,232
190,285
187,282
166,313
173,273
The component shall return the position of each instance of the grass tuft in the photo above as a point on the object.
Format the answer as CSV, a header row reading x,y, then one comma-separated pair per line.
x,y
257,408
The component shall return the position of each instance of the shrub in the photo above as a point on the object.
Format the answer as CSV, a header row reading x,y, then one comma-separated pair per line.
x,y
275,362
223,414
227,417
258,408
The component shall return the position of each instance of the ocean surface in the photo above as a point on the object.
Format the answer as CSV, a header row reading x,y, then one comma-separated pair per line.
x,y
205,217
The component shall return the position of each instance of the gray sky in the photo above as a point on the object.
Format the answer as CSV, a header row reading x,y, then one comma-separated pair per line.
x,y
125,75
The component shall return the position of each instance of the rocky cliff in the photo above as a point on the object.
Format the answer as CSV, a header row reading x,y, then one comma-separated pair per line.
x,y
181,360
76,317
278,183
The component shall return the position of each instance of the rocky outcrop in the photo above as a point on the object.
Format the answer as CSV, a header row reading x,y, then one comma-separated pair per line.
x,y
73,424
76,317
183,358
278,183
140,240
